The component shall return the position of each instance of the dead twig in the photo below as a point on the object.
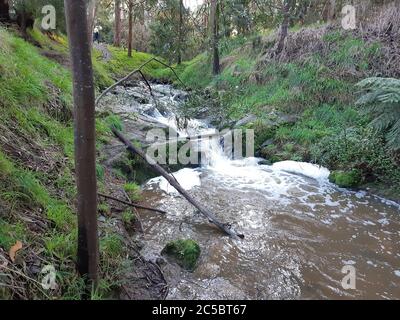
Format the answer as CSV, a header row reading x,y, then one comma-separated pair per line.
x,y
134,205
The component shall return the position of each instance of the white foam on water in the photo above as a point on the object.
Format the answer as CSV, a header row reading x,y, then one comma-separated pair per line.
x,y
187,178
306,169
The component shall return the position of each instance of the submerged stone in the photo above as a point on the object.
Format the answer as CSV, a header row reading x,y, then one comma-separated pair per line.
x,y
184,252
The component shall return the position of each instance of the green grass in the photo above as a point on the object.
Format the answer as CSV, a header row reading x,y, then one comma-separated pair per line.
x,y
28,82
320,90
120,64
133,191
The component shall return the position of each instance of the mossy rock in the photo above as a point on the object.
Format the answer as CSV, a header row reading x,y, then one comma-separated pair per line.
x,y
346,179
185,253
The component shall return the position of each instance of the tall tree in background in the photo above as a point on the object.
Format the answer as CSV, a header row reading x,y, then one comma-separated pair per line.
x,y
328,12
117,25
84,125
180,36
214,35
4,10
284,27
171,30
130,27
91,17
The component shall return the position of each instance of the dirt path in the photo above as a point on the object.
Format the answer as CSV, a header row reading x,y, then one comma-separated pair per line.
x,y
102,47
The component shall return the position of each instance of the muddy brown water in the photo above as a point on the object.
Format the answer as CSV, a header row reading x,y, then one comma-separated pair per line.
x,y
300,230
299,234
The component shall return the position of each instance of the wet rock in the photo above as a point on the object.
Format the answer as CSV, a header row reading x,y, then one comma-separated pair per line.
x,y
208,270
246,120
160,261
267,143
184,252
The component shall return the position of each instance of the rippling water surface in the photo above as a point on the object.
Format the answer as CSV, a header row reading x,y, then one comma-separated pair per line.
x,y
300,231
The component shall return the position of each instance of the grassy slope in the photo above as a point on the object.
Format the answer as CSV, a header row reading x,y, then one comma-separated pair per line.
x,y
36,165
331,130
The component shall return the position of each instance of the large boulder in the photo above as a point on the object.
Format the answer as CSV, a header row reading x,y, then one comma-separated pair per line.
x,y
251,118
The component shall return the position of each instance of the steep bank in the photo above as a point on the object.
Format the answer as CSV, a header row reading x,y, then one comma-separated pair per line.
x,y
302,105
37,188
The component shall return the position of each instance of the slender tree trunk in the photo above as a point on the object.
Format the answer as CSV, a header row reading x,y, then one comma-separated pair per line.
x,y
180,37
214,31
85,151
91,12
117,31
332,10
130,28
25,21
4,10
284,28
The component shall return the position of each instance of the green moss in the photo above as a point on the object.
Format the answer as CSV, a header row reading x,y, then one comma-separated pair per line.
x,y
346,179
185,252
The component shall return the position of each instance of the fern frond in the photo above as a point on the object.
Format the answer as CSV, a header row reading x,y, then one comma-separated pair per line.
x,y
382,100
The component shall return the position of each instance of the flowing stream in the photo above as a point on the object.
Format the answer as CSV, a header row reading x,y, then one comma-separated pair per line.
x,y
300,230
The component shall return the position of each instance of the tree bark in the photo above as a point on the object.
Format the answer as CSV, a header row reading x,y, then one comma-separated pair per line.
x,y
284,28
4,10
214,31
332,10
91,12
25,20
130,28
117,29
84,129
180,36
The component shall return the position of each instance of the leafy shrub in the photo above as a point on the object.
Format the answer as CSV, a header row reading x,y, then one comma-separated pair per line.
x,y
357,148
382,98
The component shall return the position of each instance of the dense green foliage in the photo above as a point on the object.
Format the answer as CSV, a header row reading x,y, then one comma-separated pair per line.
x,y
330,129
382,97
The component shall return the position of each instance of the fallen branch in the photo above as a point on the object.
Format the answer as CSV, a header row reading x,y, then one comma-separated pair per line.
x,y
131,204
173,182
138,70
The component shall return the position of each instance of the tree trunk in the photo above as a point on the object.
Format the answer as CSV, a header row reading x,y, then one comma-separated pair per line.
x,y
214,31
91,12
284,27
117,30
4,10
25,21
180,36
84,127
332,10
130,28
